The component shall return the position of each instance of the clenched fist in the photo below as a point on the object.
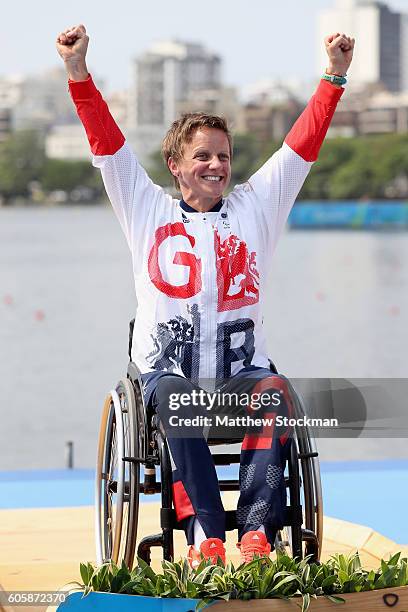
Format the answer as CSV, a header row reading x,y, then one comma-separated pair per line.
x,y
339,48
72,45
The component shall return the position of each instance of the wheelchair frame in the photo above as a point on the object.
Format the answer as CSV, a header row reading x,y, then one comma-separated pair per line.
x,y
130,437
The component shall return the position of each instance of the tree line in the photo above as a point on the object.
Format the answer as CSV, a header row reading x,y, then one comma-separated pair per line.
x,y
372,167
26,172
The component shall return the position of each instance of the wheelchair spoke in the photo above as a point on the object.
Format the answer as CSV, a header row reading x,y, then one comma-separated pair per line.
x,y
108,526
125,520
117,484
114,454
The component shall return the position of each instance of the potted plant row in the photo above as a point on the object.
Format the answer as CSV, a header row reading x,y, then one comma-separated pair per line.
x,y
285,582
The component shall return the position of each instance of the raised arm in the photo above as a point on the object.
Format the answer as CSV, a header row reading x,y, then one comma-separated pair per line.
x,y
124,178
307,135
278,182
105,138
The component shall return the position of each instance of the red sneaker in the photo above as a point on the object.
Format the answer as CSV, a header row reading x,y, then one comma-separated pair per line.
x,y
212,548
253,543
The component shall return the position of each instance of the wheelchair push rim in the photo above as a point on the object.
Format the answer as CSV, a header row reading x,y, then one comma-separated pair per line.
x,y
117,478
303,536
311,489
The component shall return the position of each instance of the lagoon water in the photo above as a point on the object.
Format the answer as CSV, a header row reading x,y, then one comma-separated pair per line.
x,y
337,306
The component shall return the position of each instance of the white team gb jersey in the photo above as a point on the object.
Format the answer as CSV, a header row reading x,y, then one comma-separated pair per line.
x,y
200,277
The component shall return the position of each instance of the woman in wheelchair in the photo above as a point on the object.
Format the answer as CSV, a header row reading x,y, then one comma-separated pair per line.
x,y
200,265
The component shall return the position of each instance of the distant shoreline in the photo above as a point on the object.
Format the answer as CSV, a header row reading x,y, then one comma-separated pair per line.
x,y
26,203
310,215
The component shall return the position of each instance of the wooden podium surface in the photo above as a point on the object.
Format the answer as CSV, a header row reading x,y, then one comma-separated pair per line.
x,y
41,548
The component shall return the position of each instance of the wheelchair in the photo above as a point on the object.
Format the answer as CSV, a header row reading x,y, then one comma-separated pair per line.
x,y
130,438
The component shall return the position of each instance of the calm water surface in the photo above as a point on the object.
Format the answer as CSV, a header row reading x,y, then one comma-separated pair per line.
x,y
337,306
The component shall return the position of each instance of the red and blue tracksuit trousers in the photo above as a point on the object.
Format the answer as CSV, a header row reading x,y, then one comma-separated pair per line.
x,y
264,452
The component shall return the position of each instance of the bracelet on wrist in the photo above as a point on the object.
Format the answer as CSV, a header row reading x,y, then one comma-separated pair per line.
x,y
335,79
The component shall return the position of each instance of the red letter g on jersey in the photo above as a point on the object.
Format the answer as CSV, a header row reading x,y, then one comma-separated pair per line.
x,y
193,285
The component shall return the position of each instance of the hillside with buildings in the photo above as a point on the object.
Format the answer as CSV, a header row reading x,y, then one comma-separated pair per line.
x,y
177,76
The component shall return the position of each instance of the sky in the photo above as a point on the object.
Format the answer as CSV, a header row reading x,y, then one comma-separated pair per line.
x,y
256,38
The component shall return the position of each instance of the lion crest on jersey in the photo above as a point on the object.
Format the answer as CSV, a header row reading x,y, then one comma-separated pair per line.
x,y
237,274
174,342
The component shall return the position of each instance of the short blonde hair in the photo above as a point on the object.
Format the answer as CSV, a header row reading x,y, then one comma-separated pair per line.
x,y
182,131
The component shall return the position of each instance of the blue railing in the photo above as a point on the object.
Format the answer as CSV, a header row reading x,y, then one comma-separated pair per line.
x,y
351,215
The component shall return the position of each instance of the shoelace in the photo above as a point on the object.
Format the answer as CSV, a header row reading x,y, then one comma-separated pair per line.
x,y
254,549
213,556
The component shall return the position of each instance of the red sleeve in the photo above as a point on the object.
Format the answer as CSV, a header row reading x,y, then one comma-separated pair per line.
x,y
103,134
307,135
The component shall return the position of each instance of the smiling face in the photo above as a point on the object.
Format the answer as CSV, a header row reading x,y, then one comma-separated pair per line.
x,y
204,171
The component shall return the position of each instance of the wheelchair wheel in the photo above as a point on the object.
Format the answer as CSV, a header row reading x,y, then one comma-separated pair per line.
x,y
304,489
118,477
312,491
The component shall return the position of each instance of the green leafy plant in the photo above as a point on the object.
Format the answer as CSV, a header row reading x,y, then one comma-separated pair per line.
x,y
282,578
